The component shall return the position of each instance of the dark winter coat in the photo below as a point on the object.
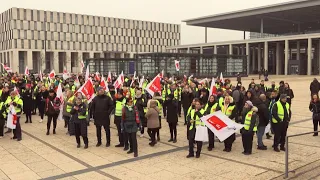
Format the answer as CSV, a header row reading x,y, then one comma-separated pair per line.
x,y
289,94
172,111
186,99
52,105
314,87
83,122
314,107
27,100
263,113
101,109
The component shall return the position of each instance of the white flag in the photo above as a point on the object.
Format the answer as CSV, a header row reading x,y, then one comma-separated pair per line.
x,y
133,79
60,96
26,71
221,125
213,88
141,82
119,82
87,73
154,85
221,78
109,78
40,76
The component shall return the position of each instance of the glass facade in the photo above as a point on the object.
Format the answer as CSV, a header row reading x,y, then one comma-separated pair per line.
x,y
150,64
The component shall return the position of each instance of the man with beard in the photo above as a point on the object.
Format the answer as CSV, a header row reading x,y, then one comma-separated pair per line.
x,y
101,108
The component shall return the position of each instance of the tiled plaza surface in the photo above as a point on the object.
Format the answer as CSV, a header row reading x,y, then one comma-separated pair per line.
x,y
39,156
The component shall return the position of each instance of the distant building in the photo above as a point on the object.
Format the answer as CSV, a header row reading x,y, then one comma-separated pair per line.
x,y
70,38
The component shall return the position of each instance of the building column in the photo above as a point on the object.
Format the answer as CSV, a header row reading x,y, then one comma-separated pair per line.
x,y
248,57
188,50
266,55
309,56
68,61
286,56
259,57
29,60
230,49
298,50
318,56
253,58
80,59
55,60
14,60
42,61
277,58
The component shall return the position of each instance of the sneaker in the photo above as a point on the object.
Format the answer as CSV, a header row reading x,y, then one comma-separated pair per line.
x,y
98,144
40,121
190,156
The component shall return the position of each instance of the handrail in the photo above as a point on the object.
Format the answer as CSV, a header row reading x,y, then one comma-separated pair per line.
x,y
287,151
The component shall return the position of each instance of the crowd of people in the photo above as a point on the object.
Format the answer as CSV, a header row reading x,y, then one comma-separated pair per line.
x,y
135,110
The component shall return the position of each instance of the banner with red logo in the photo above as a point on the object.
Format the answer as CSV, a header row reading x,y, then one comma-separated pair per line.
x,y
213,88
221,125
6,68
26,71
109,79
119,82
154,86
52,75
104,84
87,90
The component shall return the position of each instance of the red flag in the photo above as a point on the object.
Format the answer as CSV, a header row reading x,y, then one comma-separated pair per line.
x,y
87,90
177,64
154,86
103,84
213,88
109,77
40,76
52,74
119,81
97,76
26,71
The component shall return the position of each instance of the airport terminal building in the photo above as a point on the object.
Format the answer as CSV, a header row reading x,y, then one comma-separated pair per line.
x,y
56,40
284,38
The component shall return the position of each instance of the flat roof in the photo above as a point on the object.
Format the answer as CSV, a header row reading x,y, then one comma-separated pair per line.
x,y
280,18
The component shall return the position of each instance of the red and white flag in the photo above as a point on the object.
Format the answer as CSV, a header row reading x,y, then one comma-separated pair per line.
x,y
133,79
104,84
41,76
87,73
221,125
26,71
97,76
177,64
66,74
213,88
221,78
6,68
17,91
119,82
52,75
12,118
203,81
82,65
60,96
161,74
77,82
154,85
109,78
87,90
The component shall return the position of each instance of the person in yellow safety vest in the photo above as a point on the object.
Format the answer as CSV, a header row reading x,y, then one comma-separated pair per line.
x,y
195,121
159,101
281,115
133,90
72,87
120,102
1,89
179,99
192,106
69,101
141,105
17,104
229,109
210,108
164,96
79,113
250,122
3,115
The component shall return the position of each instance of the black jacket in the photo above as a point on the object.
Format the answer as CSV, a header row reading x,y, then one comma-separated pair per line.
x,y
314,107
186,99
172,111
27,100
314,87
101,109
263,113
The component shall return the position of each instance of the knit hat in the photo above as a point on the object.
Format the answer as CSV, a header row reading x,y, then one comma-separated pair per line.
x,y
99,88
249,103
282,96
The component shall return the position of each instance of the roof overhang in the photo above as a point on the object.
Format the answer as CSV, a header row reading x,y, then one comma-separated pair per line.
x,y
294,16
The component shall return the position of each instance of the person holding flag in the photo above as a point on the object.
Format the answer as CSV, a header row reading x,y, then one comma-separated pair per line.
x,y
194,116
17,103
229,109
52,110
210,108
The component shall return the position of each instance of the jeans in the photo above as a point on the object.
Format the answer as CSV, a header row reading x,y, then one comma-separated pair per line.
x,y
260,134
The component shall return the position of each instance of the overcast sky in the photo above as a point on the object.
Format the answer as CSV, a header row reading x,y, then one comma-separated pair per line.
x,y
170,11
